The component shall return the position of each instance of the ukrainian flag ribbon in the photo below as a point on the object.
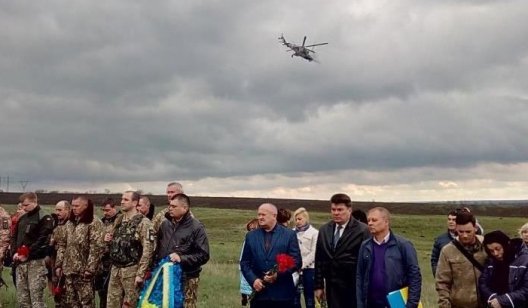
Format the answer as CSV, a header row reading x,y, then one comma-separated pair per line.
x,y
164,288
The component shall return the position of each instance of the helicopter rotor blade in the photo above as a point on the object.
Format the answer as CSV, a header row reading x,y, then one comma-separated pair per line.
x,y
316,45
304,41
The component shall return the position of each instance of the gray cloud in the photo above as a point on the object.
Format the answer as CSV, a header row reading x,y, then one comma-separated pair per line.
x,y
96,95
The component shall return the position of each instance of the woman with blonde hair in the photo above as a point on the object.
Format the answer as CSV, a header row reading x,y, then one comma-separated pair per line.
x,y
523,233
307,236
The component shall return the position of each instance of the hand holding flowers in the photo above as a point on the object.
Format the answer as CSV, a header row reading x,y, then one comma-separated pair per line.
x,y
284,262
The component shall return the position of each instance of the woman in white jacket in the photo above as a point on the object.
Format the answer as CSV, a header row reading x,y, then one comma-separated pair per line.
x,y
307,236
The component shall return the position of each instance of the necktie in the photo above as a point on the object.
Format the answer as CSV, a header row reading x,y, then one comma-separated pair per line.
x,y
337,234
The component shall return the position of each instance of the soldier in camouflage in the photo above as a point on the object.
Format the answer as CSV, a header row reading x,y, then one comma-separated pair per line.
x,y
131,251
29,243
79,253
5,237
110,214
62,211
173,189
146,207
183,239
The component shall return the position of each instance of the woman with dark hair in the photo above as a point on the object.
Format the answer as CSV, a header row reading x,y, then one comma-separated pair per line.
x,y
504,281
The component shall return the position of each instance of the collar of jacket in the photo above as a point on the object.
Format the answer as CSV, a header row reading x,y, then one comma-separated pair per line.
x,y
185,217
110,219
86,218
34,211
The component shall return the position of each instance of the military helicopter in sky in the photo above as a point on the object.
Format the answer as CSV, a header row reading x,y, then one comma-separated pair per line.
x,y
300,51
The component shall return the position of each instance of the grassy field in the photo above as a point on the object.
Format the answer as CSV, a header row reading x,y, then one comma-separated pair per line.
x,y
219,285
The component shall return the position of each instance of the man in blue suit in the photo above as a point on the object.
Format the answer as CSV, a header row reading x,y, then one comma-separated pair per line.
x,y
259,256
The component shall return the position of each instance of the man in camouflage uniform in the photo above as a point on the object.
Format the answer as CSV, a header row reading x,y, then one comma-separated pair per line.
x,y
183,239
110,214
5,233
131,252
146,207
62,211
29,243
173,189
79,253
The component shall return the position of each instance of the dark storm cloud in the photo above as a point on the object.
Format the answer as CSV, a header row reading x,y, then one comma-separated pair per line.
x,y
139,92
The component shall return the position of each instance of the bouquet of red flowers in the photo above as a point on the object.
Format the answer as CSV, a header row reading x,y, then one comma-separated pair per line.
x,y
23,251
284,262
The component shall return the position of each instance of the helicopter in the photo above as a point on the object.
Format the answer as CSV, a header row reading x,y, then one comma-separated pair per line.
x,y
300,51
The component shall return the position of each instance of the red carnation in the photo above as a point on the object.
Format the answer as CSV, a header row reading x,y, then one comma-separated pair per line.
x,y
23,251
284,262
57,291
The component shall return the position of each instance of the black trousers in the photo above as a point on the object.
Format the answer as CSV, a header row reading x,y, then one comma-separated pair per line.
x,y
341,295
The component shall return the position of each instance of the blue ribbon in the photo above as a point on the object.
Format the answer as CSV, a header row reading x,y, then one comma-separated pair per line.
x,y
164,288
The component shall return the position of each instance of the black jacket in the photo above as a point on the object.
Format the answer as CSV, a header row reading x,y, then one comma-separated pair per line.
x,y
338,266
517,295
33,231
188,239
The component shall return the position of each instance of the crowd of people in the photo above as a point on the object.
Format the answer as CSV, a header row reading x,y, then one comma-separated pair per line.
x,y
75,254
356,260
353,260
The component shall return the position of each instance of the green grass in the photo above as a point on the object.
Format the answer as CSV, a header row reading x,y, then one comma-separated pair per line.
x,y
226,229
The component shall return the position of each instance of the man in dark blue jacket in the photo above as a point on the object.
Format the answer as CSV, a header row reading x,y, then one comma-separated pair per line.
x,y
386,263
443,239
259,256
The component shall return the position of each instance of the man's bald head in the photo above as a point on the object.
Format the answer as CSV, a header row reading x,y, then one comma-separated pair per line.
x,y
62,210
267,216
272,209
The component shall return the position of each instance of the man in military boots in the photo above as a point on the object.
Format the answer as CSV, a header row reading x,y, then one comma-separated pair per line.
x,y
29,244
79,253
131,252
110,214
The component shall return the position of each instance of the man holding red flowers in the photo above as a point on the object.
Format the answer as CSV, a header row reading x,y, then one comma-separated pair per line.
x,y
271,254
30,246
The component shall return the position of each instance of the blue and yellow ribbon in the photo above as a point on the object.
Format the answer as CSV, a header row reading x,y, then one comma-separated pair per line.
x,y
164,289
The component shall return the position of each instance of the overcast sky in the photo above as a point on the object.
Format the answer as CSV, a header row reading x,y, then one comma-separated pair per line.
x,y
410,101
